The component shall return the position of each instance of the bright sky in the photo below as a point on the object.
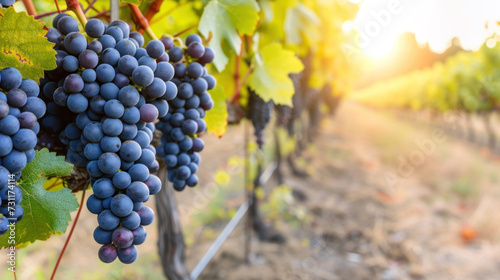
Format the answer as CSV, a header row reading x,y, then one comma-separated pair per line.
x,y
432,21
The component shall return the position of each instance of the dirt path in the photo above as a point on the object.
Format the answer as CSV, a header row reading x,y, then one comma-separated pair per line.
x,y
386,201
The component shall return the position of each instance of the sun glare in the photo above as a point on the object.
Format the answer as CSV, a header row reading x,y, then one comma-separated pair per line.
x,y
379,49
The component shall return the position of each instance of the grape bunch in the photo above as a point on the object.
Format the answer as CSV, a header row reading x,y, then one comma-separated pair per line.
x,y
111,90
259,112
20,109
183,124
6,3
283,114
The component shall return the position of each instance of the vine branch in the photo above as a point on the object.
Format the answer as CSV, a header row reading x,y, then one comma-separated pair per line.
x,y
141,21
50,13
185,30
57,6
70,234
30,8
153,9
91,6
55,184
74,5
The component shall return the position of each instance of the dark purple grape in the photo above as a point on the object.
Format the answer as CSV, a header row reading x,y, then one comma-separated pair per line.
x,y
196,50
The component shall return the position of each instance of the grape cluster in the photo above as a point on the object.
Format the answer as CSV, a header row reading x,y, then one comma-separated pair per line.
x,y
20,109
183,124
259,112
6,3
112,90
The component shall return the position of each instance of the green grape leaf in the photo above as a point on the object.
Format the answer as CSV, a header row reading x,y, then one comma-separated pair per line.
x,y
45,212
270,78
216,117
23,45
224,19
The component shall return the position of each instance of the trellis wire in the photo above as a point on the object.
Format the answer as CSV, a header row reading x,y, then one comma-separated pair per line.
x,y
195,273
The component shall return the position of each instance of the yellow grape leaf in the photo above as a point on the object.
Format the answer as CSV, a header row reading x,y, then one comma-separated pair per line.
x,y
216,118
270,78
23,45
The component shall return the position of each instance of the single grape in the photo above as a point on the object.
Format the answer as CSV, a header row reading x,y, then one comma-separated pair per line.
x,y
70,63
132,221
142,76
121,180
155,48
73,83
74,42
107,220
66,24
11,78
128,255
110,56
129,96
115,32
207,57
111,144
126,47
109,163
108,253
176,54
138,37
130,150
77,103
196,49
149,113
16,98
94,28
88,59
30,87
107,41
147,215
127,64
112,126
24,139
121,205
6,146
139,172
138,192
114,108
102,236
105,73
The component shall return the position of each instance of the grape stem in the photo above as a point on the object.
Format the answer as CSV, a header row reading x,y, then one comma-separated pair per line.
x,y
185,30
91,6
30,8
57,6
153,9
141,21
49,14
70,234
74,5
